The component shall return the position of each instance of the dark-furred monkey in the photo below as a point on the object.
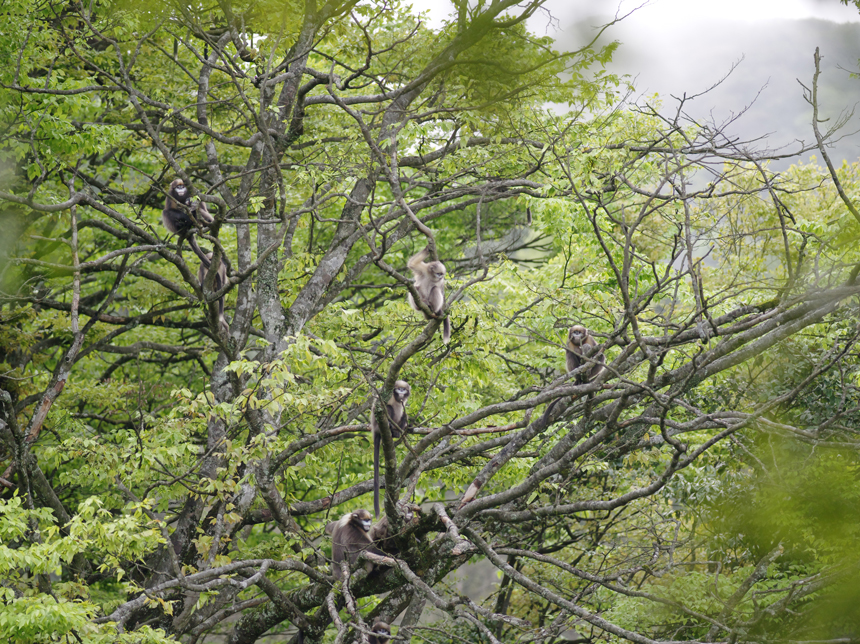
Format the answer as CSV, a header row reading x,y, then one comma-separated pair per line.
x,y
349,538
381,633
430,284
395,410
180,217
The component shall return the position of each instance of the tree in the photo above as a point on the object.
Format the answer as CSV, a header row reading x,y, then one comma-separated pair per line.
x,y
166,480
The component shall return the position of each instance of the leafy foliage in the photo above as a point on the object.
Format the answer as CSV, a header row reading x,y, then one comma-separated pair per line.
x,y
166,480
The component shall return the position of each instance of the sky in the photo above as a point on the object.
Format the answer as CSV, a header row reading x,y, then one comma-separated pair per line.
x,y
679,12
678,47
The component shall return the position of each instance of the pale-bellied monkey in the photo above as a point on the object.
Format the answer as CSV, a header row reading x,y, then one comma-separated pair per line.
x,y
217,285
430,284
580,345
180,217
395,410
349,538
381,633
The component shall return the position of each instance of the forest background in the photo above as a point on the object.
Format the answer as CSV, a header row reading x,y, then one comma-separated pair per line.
x,y
163,479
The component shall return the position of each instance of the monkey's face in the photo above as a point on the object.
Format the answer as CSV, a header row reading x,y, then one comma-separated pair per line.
x,y
576,335
382,631
401,391
437,271
362,519
179,191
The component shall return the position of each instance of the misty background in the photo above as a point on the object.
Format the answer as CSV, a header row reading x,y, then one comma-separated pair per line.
x,y
678,47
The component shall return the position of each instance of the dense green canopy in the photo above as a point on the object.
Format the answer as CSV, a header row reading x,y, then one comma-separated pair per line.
x,y
166,479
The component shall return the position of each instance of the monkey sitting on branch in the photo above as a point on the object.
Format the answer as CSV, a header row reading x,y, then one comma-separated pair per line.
x,y
180,217
349,538
382,535
430,284
395,410
580,347
381,633
581,350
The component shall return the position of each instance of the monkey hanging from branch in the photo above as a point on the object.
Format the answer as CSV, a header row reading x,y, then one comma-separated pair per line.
x,y
395,410
430,284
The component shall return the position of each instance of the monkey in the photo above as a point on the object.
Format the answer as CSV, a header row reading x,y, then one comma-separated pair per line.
x,y
430,284
217,285
395,409
380,533
579,344
180,217
349,538
381,633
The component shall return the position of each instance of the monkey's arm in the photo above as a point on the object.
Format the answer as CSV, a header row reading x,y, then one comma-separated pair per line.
x,y
598,368
416,262
201,214
572,360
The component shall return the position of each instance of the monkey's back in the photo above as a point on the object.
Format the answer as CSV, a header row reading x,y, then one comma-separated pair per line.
x,y
176,221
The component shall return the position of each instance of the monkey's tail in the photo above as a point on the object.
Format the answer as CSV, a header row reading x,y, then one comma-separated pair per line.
x,y
549,410
446,330
204,258
377,439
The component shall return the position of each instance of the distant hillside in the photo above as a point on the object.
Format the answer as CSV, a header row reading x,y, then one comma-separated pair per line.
x,y
674,62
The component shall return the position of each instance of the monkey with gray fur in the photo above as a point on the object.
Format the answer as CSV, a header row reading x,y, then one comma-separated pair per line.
x,y
381,633
217,285
395,410
430,284
349,538
381,534
180,217
581,345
